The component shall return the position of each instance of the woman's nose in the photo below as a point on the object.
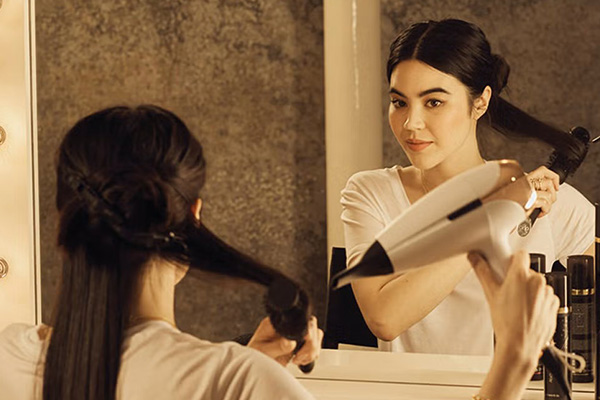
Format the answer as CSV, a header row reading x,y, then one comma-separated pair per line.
x,y
414,120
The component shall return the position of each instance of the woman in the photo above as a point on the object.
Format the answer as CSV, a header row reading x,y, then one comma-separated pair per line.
x,y
127,196
128,181
444,79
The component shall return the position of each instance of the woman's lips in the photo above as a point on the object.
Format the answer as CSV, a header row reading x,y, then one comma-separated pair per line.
x,y
417,145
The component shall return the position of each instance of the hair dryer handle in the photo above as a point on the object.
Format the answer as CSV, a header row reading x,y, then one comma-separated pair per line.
x,y
503,217
499,258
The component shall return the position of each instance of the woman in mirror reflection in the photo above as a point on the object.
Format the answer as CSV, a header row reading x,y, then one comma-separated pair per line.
x,y
444,80
127,195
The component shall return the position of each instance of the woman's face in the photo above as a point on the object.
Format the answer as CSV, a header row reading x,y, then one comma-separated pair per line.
x,y
431,115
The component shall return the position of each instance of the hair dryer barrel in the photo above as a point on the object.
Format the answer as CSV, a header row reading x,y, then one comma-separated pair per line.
x,y
485,229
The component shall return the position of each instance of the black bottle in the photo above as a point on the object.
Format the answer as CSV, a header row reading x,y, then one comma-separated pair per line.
x,y
538,264
560,283
583,333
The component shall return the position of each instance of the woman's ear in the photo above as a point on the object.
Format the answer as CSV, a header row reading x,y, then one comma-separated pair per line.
x,y
481,103
197,208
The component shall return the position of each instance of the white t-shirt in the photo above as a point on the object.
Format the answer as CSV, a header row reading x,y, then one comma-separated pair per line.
x,y
158,362
461,323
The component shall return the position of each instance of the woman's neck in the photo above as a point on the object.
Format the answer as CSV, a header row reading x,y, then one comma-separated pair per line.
x,y
156,294
451,166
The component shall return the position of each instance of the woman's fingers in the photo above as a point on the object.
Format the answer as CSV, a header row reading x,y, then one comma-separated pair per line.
x,y
546,183
543,173
312,344
537,294
485,275
518,268
544,201
547,186
267,341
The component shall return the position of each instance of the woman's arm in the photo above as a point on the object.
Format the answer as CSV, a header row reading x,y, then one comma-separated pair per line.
x,y
523,310
414,294
382,300
266,340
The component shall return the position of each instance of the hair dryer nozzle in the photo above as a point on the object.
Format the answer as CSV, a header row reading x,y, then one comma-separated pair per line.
x,y
375,262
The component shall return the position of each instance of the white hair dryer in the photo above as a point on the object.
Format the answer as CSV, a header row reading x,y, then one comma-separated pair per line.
x,y
474,211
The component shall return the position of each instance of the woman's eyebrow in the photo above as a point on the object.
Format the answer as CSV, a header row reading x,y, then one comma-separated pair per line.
x,y
423,93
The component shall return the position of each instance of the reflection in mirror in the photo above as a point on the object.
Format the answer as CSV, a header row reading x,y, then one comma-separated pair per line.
x,y
434,104
247,78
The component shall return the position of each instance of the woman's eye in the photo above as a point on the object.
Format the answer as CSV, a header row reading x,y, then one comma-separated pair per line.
x,y
398,103
433,103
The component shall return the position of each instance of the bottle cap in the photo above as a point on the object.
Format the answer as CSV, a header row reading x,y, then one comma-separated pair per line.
x,y
581,270
558,267
537,262
560,283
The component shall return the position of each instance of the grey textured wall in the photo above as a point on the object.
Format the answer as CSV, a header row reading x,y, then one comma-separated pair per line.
x,y
247,77
553,51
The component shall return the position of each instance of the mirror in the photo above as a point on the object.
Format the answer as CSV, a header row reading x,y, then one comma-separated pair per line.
x,y
551,78
247,77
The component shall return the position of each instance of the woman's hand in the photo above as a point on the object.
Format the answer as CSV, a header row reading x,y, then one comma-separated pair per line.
x,y
267,341
546,183
523,307
523,310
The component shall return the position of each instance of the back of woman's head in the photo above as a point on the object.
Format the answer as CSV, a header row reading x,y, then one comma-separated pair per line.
x,y
134,170
461,49
126,181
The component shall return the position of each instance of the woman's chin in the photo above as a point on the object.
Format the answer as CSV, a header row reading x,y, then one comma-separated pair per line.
x,y
422,162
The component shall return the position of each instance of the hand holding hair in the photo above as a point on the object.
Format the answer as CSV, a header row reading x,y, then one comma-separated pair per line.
x,y
289,312
546,184
565,162
266,340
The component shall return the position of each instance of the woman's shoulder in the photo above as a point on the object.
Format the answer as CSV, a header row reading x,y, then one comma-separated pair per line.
x,y
13,330
159,341
21,331
21,341
374,176
208,367
569,198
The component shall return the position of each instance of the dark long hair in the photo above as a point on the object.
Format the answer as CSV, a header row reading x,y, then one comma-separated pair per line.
x,y
461,49
127,178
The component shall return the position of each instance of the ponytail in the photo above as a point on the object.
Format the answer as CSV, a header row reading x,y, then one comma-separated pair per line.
x,y
515,123
83,355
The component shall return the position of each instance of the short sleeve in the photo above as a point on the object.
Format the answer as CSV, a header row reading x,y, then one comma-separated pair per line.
x,y
247,374
362,213
572,217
